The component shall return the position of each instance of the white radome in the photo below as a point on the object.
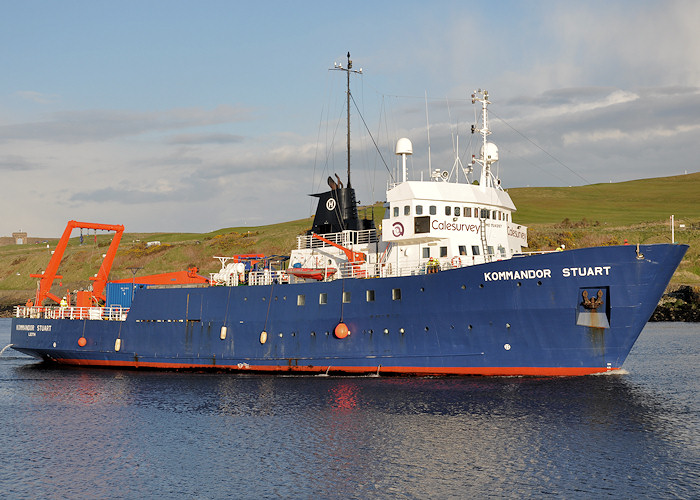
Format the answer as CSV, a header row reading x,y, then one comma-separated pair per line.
x,y
491,151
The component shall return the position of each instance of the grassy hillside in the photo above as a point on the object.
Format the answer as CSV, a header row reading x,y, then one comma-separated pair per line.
x,y
608,214
600,214
619,204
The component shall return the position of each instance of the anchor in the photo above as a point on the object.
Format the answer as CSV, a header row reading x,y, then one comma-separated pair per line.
x,y
594,302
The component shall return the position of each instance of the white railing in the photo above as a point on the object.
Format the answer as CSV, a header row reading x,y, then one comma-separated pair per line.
x,y
391,269
344,238
267,277
112,313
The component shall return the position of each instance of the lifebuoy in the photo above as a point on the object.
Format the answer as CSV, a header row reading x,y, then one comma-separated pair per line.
x,y
456,261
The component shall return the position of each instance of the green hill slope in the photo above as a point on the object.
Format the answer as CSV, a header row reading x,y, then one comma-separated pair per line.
x,y
599,214
623,203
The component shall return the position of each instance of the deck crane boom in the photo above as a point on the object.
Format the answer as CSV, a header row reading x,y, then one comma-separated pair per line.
x,y
353,257
100,280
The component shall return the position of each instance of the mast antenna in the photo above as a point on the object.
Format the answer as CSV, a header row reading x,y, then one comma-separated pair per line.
x,y
348,69
489,151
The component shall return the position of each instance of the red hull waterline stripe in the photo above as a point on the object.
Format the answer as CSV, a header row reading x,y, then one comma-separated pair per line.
x,y
498,371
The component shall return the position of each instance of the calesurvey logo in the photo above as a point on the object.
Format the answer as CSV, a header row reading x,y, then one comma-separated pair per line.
x,y
397,229
330,204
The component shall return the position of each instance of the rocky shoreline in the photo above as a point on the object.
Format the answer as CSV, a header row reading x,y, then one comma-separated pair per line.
x,y
678,303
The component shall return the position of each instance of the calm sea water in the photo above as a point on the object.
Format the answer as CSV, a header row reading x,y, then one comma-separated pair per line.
x,y
91,433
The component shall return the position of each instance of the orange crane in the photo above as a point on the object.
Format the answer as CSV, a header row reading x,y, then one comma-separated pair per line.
x,y
353,257
100,281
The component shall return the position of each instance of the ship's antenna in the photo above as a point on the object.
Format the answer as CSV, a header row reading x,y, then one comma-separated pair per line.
x,y
489,152
348,70
427,126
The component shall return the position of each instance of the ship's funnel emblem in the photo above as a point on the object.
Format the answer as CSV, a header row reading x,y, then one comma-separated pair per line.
x,y
397,229
594,302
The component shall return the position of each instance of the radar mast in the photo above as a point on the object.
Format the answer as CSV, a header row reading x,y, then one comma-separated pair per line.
x,y
348,69
489,151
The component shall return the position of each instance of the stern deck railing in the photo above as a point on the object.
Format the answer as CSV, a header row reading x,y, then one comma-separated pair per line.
x,y
112,313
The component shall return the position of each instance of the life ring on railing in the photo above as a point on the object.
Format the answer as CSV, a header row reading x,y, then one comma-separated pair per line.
x,y
456,261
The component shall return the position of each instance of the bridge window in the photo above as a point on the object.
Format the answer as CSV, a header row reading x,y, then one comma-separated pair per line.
x,y
301,300
448,210
467,212
462,250
476,211
433,210
407,210
396,211
426,252
457,211
323,298
443,251
475,250
419,209
370,295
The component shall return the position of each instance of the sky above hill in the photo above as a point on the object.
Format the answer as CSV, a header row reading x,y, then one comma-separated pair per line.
x,y
193,116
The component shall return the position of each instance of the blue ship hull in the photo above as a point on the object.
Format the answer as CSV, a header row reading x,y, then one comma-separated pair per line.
x,y
522,316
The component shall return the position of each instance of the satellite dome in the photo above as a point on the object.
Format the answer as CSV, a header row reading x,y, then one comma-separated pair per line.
x,y
491,152
404,147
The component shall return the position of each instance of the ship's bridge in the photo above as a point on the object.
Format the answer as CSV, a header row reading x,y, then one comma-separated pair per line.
x,y
430,210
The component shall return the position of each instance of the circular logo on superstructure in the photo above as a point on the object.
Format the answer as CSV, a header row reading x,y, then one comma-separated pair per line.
x,y
330,204
397,229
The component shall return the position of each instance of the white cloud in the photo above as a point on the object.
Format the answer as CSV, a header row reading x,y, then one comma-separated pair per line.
x,y
98,125
607,89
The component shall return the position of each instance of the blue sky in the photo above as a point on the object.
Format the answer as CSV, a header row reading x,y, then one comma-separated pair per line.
x,y
193,116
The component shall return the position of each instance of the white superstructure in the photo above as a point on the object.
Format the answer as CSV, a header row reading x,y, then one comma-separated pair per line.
x,y
438,221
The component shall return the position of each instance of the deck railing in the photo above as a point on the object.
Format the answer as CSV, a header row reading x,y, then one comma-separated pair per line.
x,y
267,277
344,238
112,313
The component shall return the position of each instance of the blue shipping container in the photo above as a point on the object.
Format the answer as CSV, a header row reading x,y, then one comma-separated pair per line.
x,y
119,294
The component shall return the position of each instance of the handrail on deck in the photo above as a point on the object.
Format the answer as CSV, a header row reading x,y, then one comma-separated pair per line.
x,y
112,313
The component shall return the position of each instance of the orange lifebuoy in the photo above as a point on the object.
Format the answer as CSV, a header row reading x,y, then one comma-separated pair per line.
x,y
456,261
82,341
341,331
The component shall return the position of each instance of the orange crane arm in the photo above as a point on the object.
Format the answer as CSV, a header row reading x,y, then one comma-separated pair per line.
x,y
354,257
49,275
